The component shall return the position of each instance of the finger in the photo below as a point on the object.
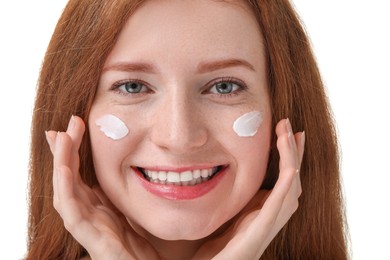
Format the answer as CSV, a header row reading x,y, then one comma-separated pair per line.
x,y
289,206
286,145
63,146
272,206
287,172
51,139
94,227
290,202
300,139
283,200
290,159
75,130
72,210
63,157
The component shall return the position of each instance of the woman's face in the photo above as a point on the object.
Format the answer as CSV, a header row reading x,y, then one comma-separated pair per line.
x,y
179,78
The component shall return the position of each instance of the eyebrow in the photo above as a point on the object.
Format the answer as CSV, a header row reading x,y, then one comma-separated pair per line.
x,y
222,64
203,67
131,67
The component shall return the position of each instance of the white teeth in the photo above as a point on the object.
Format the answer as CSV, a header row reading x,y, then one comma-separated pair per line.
x,y
186,178
196,174
162,176
193,182
204,173
173,177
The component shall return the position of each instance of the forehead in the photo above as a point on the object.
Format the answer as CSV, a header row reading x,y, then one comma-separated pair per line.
x,y
202,28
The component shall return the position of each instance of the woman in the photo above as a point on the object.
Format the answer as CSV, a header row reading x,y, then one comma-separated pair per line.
x,y
180,133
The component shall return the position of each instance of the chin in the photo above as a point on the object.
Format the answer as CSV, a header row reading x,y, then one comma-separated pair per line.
x,y
183,231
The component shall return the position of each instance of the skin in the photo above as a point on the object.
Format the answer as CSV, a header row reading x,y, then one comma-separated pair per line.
x,y
118,220
178,119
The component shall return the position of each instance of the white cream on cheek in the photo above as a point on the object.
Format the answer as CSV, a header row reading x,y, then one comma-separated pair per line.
x,y
112,127
248,124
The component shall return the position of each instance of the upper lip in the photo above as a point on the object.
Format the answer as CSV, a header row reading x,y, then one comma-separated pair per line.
x,y
179,169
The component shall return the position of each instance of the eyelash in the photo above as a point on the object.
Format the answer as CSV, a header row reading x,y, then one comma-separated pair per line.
x,y
115,87
241,86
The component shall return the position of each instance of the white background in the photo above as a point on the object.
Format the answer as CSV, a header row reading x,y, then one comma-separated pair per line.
x,y
351,39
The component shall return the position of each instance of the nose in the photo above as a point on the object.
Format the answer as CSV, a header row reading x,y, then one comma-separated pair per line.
x,y
179,126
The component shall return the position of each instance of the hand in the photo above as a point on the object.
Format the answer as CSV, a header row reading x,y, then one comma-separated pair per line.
x,y
267,213
87,213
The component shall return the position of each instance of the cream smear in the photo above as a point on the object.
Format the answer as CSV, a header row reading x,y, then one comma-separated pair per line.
x,y
248,124
112,127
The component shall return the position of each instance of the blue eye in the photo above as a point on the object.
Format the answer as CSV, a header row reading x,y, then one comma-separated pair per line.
x,y
132,87
224,87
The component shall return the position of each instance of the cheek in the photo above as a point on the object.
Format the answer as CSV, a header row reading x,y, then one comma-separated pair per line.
x,y
248,124
108,133
249,143
112,126
252,155
249,155
111,141
253,134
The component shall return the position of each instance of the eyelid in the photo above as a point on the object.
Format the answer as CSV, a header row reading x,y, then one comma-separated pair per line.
x,y
243,86
117,84
233,80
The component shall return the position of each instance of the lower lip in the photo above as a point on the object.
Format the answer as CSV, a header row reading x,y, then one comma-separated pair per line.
x,y
173,192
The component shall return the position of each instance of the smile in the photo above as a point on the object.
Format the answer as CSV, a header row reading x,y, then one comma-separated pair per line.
x,y
183,184
185,178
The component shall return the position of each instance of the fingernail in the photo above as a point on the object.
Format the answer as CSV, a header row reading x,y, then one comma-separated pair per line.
x,y
303,139
58,139
71,123
289,128
290,135
49,139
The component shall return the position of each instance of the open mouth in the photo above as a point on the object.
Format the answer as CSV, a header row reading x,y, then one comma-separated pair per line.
x,y
185,178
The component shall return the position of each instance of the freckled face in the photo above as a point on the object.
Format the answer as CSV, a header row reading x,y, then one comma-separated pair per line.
x,y
179,76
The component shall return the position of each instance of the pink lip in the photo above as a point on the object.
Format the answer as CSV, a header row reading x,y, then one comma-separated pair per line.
x,y
173,192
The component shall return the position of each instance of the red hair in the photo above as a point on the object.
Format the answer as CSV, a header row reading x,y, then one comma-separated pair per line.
x,y
83,38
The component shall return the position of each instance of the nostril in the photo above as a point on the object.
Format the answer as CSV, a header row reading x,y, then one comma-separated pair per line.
x,y
179,140
178,125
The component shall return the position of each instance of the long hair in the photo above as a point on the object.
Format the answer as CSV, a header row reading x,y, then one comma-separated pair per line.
x,y
82,40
